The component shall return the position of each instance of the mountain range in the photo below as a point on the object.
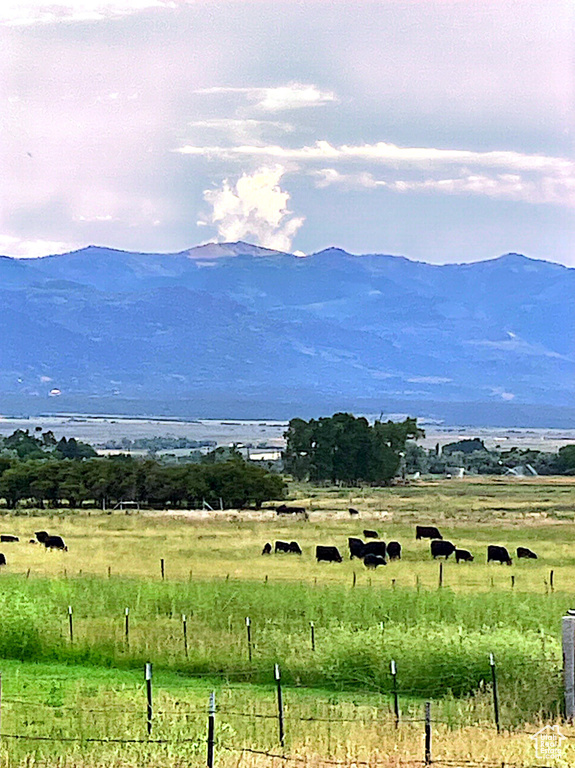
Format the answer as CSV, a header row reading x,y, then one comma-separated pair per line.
x,y
233,329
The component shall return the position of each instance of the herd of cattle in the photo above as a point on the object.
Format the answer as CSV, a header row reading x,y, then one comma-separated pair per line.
x,y
376,552
42,537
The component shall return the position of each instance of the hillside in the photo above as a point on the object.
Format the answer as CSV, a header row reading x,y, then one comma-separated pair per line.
x,y
219,326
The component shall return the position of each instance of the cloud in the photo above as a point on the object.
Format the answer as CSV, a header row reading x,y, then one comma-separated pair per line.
x,y
429,380
241,129
254,208
29,12
282,97
21,248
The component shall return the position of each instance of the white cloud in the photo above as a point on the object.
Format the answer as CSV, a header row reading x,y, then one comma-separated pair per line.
x,y
241,129
21,248
282,97
28,12
429,380
255,208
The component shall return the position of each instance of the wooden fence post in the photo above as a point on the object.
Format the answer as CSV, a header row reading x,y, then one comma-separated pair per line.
x,y
551,581
211,728
568,636
162,568
440,575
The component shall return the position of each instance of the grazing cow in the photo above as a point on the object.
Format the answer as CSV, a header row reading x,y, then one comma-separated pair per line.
x,y
527,553
374,548
267,550
463,554
281,546
285,510
372,561
427,532
41,536
441,548
498,554
55,542
355,547
2,559
8,537
294,548
327,554
394,550
370,534
353,512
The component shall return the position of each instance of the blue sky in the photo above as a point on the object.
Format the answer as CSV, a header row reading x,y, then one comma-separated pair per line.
x,y
437,129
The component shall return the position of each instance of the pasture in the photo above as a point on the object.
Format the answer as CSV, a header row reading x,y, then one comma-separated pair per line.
x,y
215,575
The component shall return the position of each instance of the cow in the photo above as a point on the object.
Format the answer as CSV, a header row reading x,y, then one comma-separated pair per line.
x,y
427,532
267,550
281,546
285,510
374,548
440,548
373,561
55,542
355,547
498,554
8,537
370,534
527,553
41,536
394,550
463,554
32,541
353,512
2,559
327,554
295,548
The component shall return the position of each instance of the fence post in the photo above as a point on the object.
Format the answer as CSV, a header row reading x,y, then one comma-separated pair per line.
x,y
71,624
211,729
440,575
185,628
162,568
395,696
495,696
127,627
427,733
312,628
149,696
280,704
249,632
568,636
353,579
551,580
512,582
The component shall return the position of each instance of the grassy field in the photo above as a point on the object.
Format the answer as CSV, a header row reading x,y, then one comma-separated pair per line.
x,y
216,576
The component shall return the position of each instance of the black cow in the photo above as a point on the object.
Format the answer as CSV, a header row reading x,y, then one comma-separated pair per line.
x,y
41,536
355,547
373,561
374,548
267,550
294,548
527,553
463,554
285,510
441,548
55,542
281,546
498,554
370,534
32,541
427,532
8,537
394,550
327,554
353,511
2,559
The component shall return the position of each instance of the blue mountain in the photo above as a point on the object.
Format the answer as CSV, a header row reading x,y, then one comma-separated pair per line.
x,y
234,327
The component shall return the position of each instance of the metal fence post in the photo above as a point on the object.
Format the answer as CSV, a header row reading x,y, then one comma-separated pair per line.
x,y
211,729
280,703
568,636
395,696
149,711
495,695
427,733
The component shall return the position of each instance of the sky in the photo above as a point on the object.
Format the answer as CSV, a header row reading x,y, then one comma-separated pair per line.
x,y
441,130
